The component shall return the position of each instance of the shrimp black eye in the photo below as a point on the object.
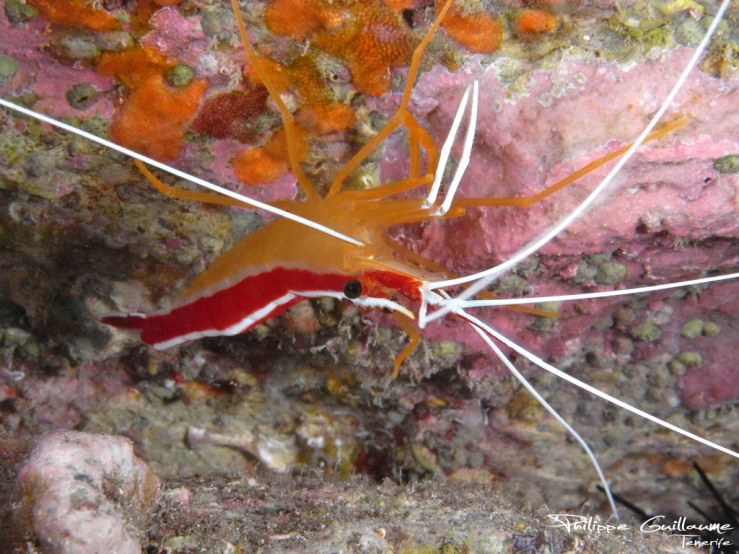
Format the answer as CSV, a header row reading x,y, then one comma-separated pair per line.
x,y
352,289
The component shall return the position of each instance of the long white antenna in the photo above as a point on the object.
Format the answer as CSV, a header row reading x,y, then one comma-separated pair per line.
x,y
181,174
518,375
620,403
484,278
591,295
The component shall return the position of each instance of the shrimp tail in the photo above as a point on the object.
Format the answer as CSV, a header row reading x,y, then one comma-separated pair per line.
x,y
125,321
131,324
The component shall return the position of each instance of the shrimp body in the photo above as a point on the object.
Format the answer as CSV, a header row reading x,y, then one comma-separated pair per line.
x,y
280,265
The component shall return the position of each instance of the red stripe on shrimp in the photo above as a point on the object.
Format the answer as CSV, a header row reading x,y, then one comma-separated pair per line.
x,y
230,311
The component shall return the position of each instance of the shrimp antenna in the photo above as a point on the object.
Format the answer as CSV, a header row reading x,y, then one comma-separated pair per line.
x,y
484,278
181,174
591,295
518,375
613,400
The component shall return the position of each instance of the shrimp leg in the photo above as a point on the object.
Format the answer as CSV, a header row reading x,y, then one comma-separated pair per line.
x,y
398,118
526,201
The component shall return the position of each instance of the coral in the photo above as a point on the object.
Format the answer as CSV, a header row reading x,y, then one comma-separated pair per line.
x,y
478,32
74,490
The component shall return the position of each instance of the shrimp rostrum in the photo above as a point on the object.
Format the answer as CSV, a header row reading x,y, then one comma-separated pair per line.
x,y
338,244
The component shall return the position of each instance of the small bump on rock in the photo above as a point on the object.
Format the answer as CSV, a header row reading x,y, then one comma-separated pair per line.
x,y
692,329
82,96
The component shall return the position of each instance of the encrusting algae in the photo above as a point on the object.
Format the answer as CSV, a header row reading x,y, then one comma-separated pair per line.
x,y
369,38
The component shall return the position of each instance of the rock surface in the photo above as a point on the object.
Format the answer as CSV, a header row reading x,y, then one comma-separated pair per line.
x,y
82,493
83,234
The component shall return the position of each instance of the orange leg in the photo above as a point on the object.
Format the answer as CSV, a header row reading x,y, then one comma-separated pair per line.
x,y
415,153
527,201
398,118
432,153
287,117
406,210
388,189
184,194
205,197
417,134
408,327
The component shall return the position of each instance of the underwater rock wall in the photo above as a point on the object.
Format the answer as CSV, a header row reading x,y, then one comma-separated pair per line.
x,y
84,234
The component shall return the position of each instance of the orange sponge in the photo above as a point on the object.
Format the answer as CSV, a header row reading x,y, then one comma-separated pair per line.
x,y
132,66
155,115
300,18
154,118
479,32
76,12
259,166
327,119
533,22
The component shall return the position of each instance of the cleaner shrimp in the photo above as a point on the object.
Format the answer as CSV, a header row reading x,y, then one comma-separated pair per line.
x,y
591,268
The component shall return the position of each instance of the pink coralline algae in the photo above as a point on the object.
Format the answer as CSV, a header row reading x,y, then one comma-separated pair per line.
x,y
669,216
79,493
